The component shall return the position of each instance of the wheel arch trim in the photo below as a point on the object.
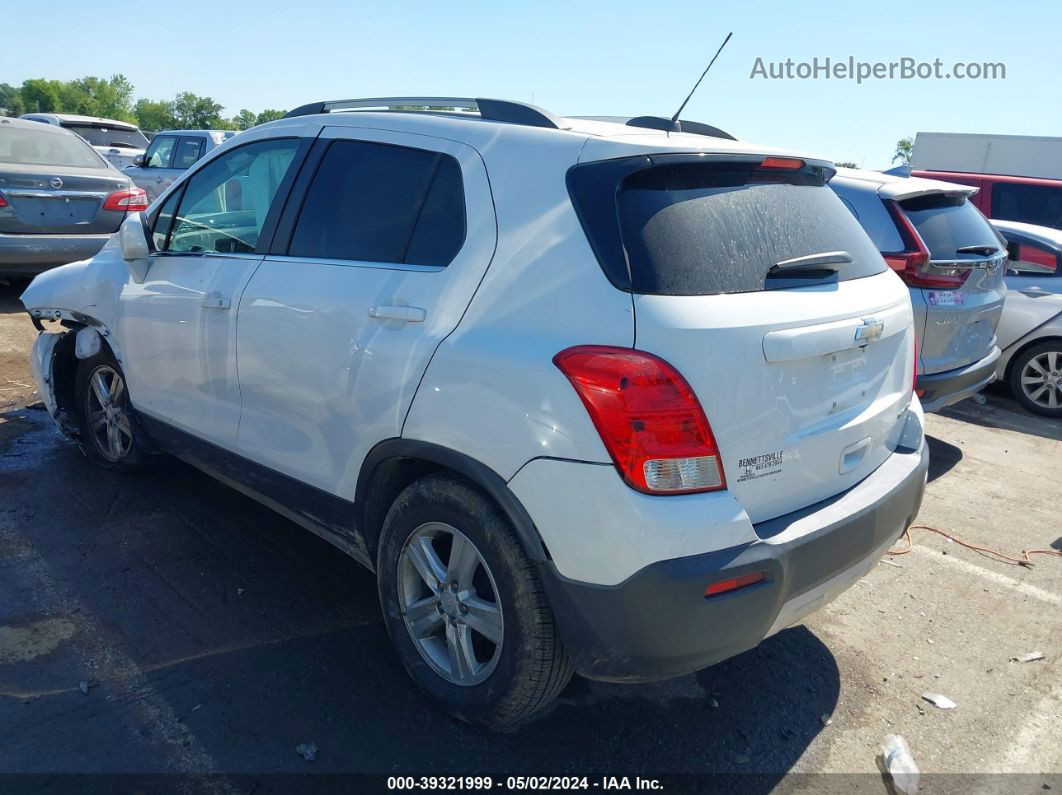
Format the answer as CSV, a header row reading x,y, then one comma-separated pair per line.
x,y
477,473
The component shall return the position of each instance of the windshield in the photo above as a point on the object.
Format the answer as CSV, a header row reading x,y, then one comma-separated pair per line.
x,y
31,148
109,136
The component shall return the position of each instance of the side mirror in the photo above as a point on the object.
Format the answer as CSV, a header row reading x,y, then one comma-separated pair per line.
x,y
138,160
1012,252
135,249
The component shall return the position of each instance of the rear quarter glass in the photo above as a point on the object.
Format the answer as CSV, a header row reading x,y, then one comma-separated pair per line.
x,y
712,228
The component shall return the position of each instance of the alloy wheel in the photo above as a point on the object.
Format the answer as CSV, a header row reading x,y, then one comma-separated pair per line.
x,y
451,609
107,415
1041,379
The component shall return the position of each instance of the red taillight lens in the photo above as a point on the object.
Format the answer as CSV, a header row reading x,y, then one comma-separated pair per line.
x,y
907,263
133,200
3,201
725,586
648,417
783,163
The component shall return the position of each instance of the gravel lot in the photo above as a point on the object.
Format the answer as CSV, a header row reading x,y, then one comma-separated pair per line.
x,y
167,624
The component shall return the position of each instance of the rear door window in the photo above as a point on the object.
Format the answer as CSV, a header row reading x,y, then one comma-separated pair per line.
x,y
1034,259
1033,204
381,203
188,151
947,223
692,229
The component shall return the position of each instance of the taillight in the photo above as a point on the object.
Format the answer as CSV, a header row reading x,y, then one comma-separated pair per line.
x,y
3,201
907,263
133,200
649,419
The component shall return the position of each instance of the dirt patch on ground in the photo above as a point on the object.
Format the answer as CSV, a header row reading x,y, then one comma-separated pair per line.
x,y
19,643
16,338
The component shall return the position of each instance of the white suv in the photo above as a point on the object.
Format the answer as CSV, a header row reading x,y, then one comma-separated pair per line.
x,y
586,395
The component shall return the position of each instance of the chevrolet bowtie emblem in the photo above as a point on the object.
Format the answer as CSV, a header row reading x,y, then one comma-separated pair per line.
x,y
869,331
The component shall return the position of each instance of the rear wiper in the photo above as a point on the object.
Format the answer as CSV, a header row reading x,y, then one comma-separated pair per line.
x,y
984,251
830,261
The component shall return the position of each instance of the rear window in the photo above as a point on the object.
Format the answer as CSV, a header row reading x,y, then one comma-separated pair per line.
x,y
708,228
947,223
46,148
109,136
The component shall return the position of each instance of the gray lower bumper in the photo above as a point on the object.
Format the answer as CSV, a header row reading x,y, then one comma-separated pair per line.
x,y
28,255
658,623
942,389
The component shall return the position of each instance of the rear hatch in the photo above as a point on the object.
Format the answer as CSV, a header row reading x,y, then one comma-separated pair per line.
x,y
753,280
54,183
961,285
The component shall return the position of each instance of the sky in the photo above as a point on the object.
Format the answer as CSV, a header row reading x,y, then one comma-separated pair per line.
x,y
621,57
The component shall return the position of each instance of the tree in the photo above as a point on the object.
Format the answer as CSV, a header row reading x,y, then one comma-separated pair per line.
x,y
269,115
904,150
10,100
245,119
112,99
40,96
196,113
845,164
152,115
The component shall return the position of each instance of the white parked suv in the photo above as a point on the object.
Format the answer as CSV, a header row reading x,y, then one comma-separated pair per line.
x,y
586,396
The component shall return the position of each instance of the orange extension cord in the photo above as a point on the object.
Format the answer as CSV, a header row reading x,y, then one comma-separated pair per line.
x,y
991,554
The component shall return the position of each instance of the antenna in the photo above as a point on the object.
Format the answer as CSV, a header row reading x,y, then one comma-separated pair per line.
x,y
674,119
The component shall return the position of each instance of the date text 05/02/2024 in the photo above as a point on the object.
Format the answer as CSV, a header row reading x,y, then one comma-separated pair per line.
x,y
515,783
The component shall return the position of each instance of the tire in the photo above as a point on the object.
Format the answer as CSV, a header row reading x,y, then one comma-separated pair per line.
x,y
108,432
497,683
1042,361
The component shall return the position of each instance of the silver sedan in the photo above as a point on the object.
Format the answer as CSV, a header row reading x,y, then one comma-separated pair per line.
x,y
1030,330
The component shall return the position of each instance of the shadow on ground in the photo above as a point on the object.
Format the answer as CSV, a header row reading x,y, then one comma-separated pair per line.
x,y
210,634
1001,410
943,456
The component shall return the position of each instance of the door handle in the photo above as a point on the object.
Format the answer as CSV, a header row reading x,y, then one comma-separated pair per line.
x,y
408,314
215,301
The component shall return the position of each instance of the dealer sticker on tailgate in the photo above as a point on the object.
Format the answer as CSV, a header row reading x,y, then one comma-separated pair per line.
x,y
944,298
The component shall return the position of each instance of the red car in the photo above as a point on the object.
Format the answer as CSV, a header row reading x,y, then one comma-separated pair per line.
x,y
1031,200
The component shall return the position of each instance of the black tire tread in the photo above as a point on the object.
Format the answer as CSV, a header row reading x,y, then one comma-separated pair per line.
x,y
549,669
1018,364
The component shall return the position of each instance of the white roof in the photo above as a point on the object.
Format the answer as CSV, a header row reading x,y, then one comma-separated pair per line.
x,y
1047,234
609,139
890,186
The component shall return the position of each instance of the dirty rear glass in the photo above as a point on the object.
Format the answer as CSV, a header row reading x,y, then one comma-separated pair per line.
x,y
692,230
109,136
26,147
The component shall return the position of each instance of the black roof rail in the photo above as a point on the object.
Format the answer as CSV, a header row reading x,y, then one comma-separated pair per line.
x,y
491,109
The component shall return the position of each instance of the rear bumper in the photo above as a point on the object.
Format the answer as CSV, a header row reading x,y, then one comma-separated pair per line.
x,y
951,386
28,255
658,623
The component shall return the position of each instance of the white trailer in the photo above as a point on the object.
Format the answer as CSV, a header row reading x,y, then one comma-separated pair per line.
x,y
1015,155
